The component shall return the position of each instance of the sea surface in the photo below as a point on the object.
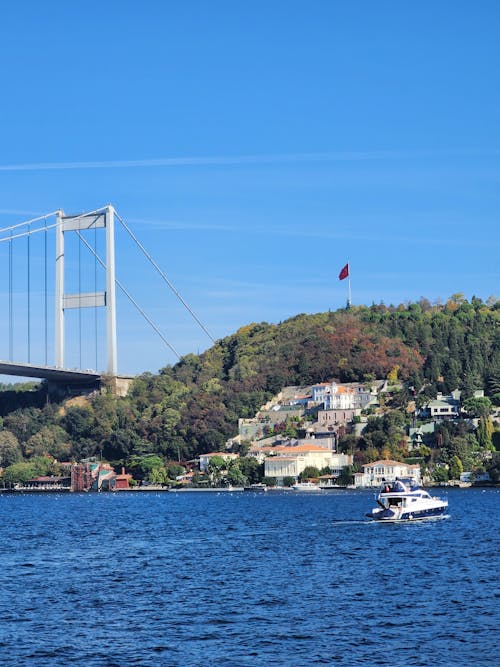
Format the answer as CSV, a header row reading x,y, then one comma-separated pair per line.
x,y
241,578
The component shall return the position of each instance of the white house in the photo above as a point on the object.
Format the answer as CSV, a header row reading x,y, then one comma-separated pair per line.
x,y
386,471
341,396
444,407
334,396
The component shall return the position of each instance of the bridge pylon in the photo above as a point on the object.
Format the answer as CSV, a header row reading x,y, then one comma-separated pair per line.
x,y
101,219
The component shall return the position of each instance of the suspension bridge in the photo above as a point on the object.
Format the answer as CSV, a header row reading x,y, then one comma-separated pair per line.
x,y
59,323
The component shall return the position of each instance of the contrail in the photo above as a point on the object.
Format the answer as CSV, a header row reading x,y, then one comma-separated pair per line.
x,y
288,158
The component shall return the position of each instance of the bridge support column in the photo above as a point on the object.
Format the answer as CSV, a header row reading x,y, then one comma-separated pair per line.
x,y
112,364
103,218
59,295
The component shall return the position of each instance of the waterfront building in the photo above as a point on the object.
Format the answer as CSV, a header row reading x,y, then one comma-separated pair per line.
x,y
291,461
386,471
48,483
122,481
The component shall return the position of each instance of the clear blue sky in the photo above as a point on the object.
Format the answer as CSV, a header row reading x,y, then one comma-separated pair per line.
x,y
255,147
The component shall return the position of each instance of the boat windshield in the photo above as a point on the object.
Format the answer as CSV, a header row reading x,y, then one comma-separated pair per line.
x,y
399,486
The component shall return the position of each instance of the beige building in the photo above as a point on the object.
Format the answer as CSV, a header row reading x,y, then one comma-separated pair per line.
x,y
327,418
291,461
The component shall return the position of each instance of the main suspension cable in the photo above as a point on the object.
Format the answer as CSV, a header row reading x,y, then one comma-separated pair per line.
x,y
45,227
12,237
162,274
28,222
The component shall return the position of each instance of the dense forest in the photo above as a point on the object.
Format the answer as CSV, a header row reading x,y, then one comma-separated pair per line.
x,y
193,406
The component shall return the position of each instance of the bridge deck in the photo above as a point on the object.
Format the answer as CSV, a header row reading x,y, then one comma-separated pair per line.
x,y
49,373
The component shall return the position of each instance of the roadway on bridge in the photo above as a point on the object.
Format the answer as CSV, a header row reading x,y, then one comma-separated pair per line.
x,y
49,373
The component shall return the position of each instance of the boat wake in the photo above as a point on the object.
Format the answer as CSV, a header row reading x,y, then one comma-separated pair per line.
x,y
371,522
352,522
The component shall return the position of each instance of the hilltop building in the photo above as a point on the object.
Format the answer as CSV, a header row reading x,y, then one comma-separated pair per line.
x,y
444,407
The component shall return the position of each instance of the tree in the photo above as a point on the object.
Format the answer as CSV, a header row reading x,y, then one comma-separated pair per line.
x,y
235,477
425,452
143,467
494,468
49,440
288,481
23,423
174,470
158,475
215,467
309,472
440,474
455,468
392,376
348,443
477,407
346,476
18,473
119,445
251,469
484,433
10,451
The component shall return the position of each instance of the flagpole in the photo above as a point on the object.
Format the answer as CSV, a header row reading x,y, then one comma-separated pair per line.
x,y
349,285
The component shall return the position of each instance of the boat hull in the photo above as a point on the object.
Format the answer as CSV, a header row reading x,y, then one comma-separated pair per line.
x,y
408,515
423,519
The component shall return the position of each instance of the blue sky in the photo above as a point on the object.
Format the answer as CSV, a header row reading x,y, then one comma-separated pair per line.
x,y
255,147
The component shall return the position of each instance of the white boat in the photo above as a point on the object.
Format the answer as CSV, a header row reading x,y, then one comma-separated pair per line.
x,y
402,500
306,486
258,488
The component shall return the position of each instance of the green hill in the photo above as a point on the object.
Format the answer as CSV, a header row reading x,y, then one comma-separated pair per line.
x,y
194,406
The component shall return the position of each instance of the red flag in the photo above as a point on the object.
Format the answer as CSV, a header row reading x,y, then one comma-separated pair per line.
x,y
344,273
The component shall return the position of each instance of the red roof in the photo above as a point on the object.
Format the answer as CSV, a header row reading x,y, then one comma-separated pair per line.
x,y
308,447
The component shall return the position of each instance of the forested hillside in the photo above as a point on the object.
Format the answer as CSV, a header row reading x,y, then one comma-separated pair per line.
x,y
194,406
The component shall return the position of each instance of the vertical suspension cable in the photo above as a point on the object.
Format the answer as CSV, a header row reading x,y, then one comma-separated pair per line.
x,y
45,294
95,292
80,299
28,243
11,286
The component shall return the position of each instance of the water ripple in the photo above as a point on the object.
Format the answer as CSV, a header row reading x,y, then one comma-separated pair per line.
x,y
243,579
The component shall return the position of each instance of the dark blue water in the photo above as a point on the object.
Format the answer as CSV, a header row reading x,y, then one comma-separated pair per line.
x,y
245,579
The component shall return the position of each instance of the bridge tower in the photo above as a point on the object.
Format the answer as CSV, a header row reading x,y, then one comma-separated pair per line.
x,y
103,219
